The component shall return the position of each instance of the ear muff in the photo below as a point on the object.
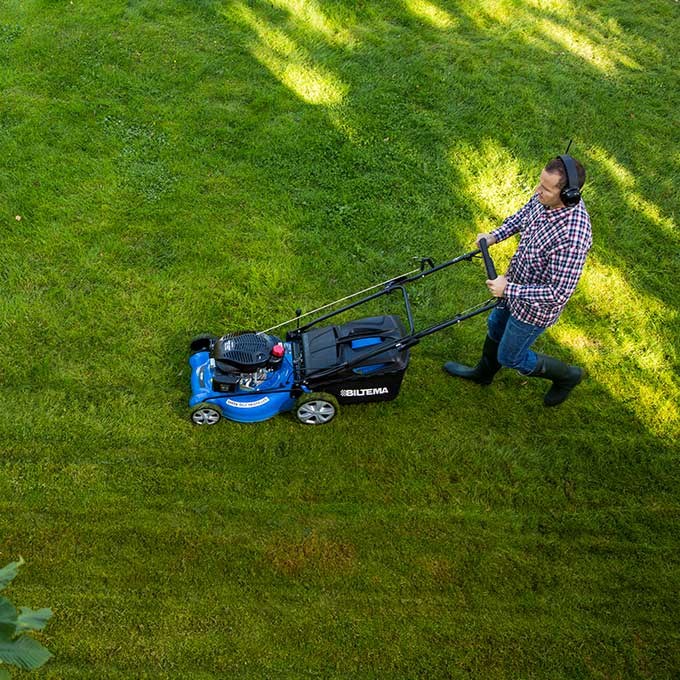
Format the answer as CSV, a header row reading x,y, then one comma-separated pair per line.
x,y
570,194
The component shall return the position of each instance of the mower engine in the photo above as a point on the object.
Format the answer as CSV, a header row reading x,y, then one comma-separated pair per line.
x,y
244,376
245,360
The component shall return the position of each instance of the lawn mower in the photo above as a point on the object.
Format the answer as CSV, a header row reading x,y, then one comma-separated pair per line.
x,y
251,376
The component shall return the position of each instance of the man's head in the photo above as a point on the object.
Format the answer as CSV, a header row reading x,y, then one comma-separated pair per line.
x,y
554,179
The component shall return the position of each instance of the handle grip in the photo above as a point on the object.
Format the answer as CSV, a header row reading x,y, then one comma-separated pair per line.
x,y
488,262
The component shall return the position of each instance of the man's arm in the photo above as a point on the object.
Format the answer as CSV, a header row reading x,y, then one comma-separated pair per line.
x,y
564,270
511,225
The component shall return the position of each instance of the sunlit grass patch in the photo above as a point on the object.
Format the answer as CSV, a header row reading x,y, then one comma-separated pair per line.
x,y
311,15
601,56
627,185
432,13
551,24
628,353
289,62
491,175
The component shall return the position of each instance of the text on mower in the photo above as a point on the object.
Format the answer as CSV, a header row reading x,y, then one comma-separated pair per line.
x,y
364,392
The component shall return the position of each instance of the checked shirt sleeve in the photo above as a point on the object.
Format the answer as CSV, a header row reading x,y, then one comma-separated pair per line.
x,y
563,272
511,225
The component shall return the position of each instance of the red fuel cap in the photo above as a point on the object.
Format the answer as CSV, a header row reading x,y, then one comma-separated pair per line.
x,y
278,351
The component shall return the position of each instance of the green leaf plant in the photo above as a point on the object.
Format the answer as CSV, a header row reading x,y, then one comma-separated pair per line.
x,y
16,647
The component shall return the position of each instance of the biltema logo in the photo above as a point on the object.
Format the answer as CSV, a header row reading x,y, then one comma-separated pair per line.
x,y
247,404
365,392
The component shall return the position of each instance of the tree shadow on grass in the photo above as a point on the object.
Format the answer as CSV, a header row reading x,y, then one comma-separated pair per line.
x,y
417,90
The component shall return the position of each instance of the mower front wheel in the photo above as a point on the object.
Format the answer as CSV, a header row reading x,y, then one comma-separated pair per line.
x,y
202,343
316,408
205,414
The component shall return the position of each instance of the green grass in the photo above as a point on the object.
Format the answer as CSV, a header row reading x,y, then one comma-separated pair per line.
x,y
175,167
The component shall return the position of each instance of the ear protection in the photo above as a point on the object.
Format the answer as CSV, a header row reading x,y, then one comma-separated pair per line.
x,y
570,194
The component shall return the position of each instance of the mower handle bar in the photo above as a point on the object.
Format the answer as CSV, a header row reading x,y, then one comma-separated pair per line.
x,y
483,249
399,282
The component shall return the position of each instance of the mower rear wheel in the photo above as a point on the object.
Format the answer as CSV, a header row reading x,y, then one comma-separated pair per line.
x,y
316,408
205,414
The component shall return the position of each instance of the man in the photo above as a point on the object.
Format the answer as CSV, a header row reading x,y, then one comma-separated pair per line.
x,y
555,237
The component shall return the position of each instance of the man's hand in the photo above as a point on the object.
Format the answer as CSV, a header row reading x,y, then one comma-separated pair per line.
x,y
490,240
497,286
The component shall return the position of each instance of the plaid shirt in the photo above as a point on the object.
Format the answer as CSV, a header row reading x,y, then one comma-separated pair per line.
x,y
544,271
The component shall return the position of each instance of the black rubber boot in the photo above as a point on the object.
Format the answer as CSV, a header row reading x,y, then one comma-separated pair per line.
x,y
564,378
484,371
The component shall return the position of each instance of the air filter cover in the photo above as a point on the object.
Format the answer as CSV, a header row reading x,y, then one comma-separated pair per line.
x,y
244,351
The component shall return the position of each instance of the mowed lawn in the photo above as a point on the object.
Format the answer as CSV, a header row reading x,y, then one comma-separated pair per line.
x,y
171,167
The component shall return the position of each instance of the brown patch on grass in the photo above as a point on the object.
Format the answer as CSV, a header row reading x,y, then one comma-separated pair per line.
x,y
439,569
312,553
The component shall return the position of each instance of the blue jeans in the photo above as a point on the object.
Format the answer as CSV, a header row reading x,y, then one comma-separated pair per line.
x,y
514,338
